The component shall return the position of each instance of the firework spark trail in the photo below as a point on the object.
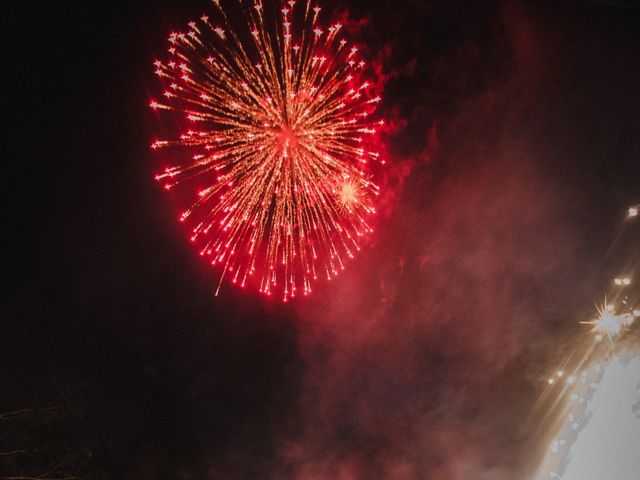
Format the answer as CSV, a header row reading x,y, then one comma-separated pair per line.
x,y
281,141
587,386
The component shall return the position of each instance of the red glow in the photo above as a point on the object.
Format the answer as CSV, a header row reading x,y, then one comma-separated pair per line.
x,y
280,144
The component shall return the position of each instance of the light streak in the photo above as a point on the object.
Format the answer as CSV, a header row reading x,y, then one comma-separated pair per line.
x,y
590,410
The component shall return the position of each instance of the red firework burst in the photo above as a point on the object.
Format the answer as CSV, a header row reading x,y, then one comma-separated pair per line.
x,y
280,128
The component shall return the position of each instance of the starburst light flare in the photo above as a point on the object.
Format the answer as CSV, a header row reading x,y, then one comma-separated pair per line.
x,y
611,323
279,152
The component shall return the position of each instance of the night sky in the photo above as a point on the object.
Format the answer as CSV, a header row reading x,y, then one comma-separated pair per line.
x,y
514,158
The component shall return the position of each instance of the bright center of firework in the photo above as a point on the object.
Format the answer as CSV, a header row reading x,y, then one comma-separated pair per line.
x,y
287,139
348,194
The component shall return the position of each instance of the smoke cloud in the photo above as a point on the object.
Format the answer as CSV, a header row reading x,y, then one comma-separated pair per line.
x,y
424,359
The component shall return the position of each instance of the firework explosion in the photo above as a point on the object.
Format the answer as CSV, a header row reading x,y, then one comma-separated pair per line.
x,y
278,151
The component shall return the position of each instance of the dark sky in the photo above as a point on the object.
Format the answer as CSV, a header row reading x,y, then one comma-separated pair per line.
x,y
514,158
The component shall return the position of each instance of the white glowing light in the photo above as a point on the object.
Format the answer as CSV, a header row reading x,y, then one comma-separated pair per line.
x,y
608,447
609,322
601,434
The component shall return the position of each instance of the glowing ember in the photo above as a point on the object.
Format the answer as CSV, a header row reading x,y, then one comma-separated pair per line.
x,y
279,144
